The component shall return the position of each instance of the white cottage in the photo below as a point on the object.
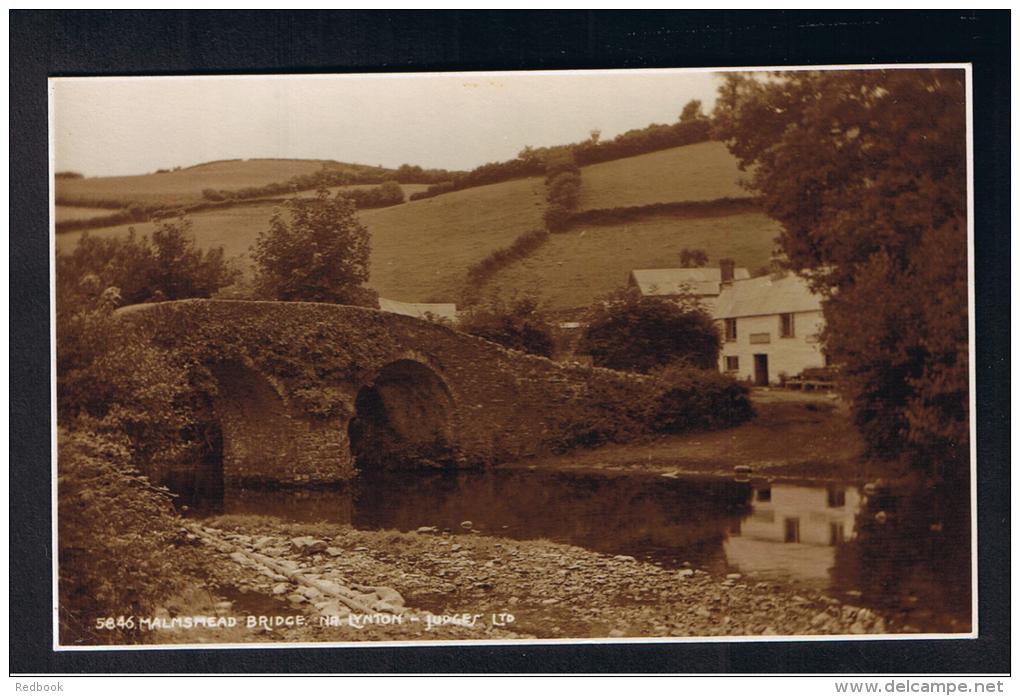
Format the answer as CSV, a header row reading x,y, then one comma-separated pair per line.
x,y
770,327
795,529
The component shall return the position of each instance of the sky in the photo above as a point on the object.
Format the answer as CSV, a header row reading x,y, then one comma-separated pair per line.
x,y
119,126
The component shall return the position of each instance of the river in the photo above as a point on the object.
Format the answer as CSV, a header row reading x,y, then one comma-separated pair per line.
x,y
905,551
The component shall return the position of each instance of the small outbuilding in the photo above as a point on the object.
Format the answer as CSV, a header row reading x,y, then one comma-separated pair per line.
x,y
421,310
703,284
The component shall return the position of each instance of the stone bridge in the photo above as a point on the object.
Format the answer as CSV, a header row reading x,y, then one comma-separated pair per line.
x,y
312,393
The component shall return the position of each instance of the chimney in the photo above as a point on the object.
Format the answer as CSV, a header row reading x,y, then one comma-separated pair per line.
x,y
726,267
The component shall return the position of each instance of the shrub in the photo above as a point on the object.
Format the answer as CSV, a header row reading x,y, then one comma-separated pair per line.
x,y
628,331
515,324
556,218
693,258
617,413
674,399
112,382
118,540
381,196
693,399
169,267
565,190
525,244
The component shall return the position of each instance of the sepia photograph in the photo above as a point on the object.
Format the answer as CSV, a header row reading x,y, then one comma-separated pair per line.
x,y
511,357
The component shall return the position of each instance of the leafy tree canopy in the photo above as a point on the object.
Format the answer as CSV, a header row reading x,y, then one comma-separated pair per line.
x,y
866,170
628,331
315,251
515,323
693,258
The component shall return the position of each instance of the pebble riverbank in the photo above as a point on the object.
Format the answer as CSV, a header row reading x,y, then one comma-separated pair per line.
x,y
446,585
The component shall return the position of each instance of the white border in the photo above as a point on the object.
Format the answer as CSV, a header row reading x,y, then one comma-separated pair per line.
x,y
966,67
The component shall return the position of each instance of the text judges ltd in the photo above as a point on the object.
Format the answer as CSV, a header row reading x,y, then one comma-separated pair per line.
x,y
358,621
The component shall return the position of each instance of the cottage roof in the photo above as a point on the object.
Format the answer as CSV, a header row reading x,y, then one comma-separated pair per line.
x,y
419,309
681,281
766,295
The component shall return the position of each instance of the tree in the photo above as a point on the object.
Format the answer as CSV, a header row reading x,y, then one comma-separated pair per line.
x,y
317,251
867,172
180,270
692,111
515,323
693,258
169,267
628,331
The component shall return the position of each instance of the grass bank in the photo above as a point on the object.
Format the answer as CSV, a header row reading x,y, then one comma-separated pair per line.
x,y
793,435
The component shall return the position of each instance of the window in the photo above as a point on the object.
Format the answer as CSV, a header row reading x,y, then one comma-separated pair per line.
x,y
836,534
732,363
786,326
836,497
731,330
764,495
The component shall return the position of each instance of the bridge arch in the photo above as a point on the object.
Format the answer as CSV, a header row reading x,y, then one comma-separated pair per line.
x,y
403,418
262,440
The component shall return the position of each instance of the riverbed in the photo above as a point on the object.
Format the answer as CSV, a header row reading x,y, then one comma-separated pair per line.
x,y
902,552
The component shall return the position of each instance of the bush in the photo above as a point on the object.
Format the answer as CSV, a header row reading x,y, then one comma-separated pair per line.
x,y
118,540
481,271
556,218
169,267
628,331
619,413
692,399
675,399
382,196
112,382
693,258
565,190
515,324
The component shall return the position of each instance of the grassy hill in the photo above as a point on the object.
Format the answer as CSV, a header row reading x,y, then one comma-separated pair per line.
x,y
184,186
690,173
421,250
575,267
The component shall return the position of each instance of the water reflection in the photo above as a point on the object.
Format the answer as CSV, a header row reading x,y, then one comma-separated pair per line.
x,y
792,532
643,516
906,551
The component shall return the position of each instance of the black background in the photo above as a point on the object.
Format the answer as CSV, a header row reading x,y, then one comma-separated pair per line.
x,y
44,44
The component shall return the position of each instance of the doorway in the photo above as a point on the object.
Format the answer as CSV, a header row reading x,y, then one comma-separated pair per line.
x,y
761,370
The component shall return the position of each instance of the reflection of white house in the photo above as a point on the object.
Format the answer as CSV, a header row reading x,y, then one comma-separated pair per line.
x,y
701,283
420,310
793,531
770,327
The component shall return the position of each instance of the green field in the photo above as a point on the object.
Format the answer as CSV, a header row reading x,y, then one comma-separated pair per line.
x,y
690,173
420,250
575,267
68,212
408,189
185,186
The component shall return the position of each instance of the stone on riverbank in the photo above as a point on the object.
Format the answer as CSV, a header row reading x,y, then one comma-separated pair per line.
x,y
307,545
